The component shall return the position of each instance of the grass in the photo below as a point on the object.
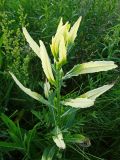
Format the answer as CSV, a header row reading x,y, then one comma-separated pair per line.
x,y
98,39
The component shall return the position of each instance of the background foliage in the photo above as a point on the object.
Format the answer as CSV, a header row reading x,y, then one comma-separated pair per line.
x,y
98,39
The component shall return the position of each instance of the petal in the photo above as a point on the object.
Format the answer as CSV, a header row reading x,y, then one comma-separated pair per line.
x,y
79,102
93,94
46,63
31,42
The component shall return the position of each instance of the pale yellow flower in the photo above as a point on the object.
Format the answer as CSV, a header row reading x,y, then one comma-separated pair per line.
x,y
68,35
62,31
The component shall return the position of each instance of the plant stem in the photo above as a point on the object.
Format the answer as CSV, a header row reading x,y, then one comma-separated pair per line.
x,y
58,88
53,114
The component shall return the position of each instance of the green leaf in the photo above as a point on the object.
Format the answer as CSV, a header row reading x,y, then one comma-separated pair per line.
x,y
9,123
70,119
28,137
1,59
75,138
48,153
1,40
78,138
9,146
37,114
14,130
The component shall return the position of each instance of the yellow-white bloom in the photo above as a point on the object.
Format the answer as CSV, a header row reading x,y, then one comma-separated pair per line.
x,y
58,139
73,30
61,31
79,102
62,51
26,90
69,37
46,65
90,67
93,94
31,42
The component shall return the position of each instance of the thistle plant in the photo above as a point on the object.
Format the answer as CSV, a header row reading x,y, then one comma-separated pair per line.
x,y
58,107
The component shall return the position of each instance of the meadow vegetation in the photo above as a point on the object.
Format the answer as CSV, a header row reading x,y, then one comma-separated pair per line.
x,y
24,122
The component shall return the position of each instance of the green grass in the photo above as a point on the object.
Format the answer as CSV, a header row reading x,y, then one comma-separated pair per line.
x,y
98,39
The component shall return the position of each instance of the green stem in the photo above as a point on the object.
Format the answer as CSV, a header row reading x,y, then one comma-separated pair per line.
x,y
58,88
53,114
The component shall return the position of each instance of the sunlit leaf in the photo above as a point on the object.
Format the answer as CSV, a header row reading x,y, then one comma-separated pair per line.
x,y
62,51
73,30
93,94
90,67
32,94
31,42
79,102
46,63
58,139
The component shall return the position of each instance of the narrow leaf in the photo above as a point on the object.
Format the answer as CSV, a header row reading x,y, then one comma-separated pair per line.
x,y
58,139
75,138
79,102
48,153
9,146
31,42
62,51
32,94
46,63
93,94
46,89
74,29
90,67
